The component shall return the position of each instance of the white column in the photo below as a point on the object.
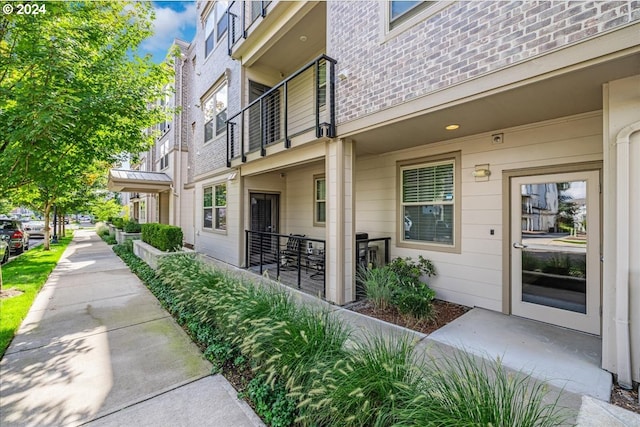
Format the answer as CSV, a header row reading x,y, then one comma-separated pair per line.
x,y
621,222
340,264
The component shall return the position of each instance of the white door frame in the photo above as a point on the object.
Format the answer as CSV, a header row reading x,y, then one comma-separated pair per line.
x,y
589,322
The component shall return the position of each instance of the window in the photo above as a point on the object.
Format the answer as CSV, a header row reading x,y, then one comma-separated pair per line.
x,y
400,11
320,200
164,155
215,113
142,212
215,26
428,202
215,207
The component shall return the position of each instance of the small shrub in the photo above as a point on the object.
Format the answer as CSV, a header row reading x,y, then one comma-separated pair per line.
x,y
162,236
379,285
102,230
411,295
406,269
132,226
271,402
415,299
118,223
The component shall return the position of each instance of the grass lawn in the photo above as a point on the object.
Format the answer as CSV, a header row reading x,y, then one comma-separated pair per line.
x,y
27,273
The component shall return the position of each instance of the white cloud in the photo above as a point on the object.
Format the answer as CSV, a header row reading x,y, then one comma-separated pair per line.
x,y
168,25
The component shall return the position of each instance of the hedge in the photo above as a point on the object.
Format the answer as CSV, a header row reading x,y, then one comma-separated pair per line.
x,y
162,236
132,226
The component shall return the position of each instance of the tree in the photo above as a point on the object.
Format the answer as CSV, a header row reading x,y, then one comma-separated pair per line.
x,y
73,95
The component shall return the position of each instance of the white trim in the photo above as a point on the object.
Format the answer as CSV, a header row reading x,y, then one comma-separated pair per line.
x,y
622,323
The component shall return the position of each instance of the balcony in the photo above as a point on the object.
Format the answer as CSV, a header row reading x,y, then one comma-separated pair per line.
x,y
297,110
271,30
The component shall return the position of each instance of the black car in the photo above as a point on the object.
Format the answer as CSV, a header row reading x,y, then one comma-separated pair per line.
x,y
18,237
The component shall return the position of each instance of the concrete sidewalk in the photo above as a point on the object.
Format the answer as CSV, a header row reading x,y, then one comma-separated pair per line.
x,y
97,348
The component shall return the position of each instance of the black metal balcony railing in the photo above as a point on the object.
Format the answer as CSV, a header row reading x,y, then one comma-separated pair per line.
x,y
301,103
239,21
295,260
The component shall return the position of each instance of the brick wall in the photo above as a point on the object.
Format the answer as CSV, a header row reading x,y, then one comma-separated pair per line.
x,y
464,40
204,74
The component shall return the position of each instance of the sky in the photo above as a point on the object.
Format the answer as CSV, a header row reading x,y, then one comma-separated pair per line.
x,y
174,19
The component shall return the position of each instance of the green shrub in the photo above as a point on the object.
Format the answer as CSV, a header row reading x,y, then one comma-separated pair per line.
x,y
271,402
162,236
118,223
414,299
132,226
379,285
102,230
406,269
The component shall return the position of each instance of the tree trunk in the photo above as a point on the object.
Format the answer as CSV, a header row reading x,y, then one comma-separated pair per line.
x,y
47,229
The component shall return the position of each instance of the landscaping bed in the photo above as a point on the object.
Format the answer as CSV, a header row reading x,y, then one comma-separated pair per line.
x,y
444,312
298,365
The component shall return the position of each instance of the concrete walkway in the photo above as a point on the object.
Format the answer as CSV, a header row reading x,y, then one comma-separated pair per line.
x,y
97,348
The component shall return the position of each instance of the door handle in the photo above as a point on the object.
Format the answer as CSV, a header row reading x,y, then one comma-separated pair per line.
x,y
519,246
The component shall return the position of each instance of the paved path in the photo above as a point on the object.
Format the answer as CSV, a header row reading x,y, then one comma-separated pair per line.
x,y
97,348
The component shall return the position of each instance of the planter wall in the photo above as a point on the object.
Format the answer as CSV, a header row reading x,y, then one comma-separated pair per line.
x,y
112,230
151,255
122,236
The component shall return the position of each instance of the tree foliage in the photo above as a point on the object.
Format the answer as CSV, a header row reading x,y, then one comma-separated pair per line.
x,y
74,96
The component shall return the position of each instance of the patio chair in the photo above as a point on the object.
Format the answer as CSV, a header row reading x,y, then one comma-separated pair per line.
x,y
289,255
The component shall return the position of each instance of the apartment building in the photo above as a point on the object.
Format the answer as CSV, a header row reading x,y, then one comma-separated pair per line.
x,y
498,139
151,183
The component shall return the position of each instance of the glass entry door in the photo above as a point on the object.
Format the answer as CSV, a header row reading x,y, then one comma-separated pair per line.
x,y
555,249
265,217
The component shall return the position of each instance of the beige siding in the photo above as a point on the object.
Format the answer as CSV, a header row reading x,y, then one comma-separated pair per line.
x,y
187,215
222,245
298,217
474,276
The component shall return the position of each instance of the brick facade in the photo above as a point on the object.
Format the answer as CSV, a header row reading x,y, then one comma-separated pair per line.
x,y
463,41
206,72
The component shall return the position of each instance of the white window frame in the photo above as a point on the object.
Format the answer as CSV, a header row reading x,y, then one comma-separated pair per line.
x,y
217,210
212,96
216,14
164,154
451,199
317,201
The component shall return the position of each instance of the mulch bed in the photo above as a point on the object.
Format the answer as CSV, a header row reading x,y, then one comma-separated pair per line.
x,y
444,312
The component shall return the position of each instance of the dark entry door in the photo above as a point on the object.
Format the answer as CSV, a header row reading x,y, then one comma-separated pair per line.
x,y
265,217
264,118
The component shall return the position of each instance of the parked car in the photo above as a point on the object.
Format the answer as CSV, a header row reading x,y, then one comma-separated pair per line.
x,y
18,237
4,249
34,228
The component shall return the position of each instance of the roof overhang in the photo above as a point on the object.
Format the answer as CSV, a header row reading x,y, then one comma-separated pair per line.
x,y
121,180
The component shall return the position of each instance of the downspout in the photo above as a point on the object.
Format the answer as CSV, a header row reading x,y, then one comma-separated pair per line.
x,y
178,139
623,339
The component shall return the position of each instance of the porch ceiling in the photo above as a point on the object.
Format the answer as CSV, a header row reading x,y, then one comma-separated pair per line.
x,y
279,55
572,93
121,180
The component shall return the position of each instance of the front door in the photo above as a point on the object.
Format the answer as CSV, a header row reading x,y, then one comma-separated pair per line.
x,y
555,249
265,217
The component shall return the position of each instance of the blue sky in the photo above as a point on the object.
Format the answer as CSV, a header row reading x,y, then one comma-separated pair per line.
x,y
174,19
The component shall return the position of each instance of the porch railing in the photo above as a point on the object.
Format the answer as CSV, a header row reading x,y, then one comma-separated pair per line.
x,y
303,102
295,260
239,21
